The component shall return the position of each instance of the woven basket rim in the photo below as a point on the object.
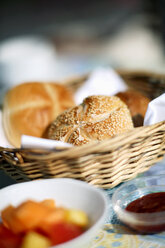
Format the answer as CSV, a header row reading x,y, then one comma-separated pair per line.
x,y
89,148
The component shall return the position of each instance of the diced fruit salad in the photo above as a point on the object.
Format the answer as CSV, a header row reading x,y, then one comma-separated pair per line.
x,y
41,224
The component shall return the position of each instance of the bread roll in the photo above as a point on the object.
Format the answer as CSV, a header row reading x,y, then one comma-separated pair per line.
x,y
137,104
97,118
30,107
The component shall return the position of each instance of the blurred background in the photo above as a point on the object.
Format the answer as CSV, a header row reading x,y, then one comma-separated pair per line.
x,y
52,39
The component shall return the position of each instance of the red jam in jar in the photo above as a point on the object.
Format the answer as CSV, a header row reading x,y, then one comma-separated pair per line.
x,y
148,204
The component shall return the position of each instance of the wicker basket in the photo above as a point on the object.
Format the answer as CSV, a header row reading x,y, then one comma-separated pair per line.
x,y
104,164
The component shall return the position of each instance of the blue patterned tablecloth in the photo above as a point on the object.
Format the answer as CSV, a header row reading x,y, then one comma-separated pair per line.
x,y
116,234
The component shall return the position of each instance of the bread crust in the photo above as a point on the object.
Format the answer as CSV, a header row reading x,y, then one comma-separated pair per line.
x,y
137,104
30,107
97,118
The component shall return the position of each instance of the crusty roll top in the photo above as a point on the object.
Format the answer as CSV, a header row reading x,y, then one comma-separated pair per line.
x,y
97,118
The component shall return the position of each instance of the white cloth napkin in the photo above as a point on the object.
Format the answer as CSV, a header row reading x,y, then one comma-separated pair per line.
x,y
33,142
102,81
155,111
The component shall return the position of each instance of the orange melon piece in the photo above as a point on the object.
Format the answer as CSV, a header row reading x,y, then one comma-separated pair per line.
x,y
31,213
55,216
11,221
6,215
49,203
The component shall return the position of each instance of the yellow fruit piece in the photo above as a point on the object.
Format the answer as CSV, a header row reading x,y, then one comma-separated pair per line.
x,y
35,240
77,217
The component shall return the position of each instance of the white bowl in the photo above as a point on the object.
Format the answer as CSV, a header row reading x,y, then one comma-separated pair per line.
x,y
69,193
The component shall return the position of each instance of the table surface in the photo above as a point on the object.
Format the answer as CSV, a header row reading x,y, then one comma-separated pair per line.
x,y
114,233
